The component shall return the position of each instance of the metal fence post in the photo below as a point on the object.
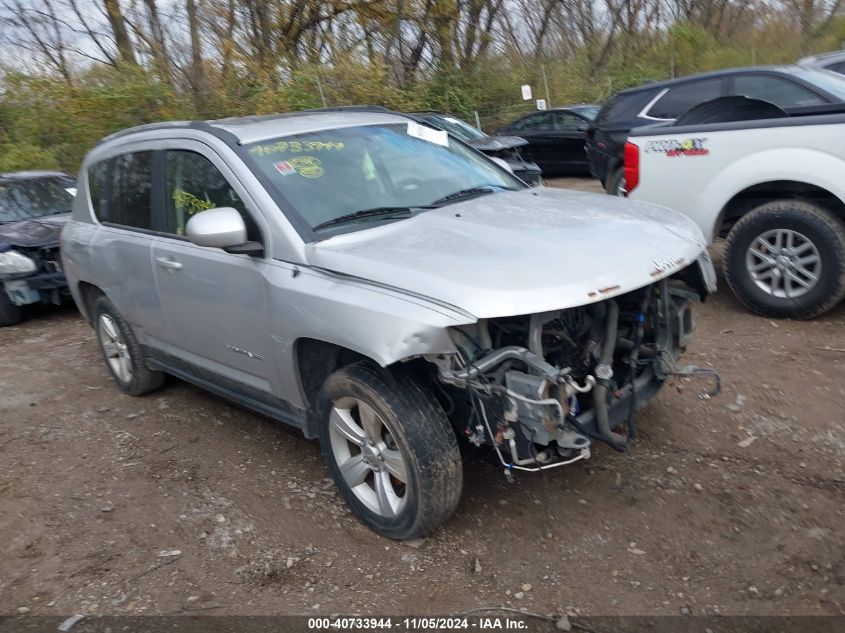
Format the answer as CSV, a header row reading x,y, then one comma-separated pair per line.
x,y
546,84
322,94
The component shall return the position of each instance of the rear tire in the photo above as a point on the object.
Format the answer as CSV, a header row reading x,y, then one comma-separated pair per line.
x,y
121,351
10,314
616,183
786,259
390,449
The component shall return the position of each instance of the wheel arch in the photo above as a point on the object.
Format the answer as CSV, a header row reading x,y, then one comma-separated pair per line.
x,y
88,294
316,360
755,195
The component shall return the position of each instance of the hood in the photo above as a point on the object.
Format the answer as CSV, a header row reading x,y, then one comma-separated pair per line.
x,y
497,143
33,233
519,252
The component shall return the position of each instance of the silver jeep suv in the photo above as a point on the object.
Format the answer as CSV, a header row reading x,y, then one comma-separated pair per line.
x,y
384,287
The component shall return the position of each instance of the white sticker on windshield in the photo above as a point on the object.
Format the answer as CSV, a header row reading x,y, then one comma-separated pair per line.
x,y
71,190
422,132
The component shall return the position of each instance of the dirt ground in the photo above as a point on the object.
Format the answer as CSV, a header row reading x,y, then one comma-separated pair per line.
x,y
179,502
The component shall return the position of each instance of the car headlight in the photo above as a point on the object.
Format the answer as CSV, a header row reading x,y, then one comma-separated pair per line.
x,y
13,263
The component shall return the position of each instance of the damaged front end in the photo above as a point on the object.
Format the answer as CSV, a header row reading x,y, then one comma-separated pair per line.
x,y
507,149
541,388
32,274
30,263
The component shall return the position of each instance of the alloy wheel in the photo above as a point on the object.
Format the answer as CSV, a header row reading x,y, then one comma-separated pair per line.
x,y
114,348
784,263
367,456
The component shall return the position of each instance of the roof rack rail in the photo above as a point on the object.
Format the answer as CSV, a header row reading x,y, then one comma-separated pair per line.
x,y
208,126
162,125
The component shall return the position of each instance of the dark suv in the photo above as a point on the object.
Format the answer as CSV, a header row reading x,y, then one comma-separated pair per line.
x,y
792,88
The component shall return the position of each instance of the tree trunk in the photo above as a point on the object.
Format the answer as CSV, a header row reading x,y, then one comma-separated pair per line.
x,y
120,32
158,46
199,84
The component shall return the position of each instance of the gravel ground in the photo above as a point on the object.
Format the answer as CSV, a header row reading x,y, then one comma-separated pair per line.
x,y
180,503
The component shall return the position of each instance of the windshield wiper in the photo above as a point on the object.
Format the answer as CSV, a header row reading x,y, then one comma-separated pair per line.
x,y
471,192
377,212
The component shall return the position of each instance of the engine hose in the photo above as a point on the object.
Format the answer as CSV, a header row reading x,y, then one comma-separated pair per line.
x,y
583,430
601,391
632,360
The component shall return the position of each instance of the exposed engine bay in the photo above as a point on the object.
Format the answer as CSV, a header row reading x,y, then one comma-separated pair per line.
x,y
541,388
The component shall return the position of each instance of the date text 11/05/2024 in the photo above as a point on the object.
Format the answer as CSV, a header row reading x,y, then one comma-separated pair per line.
x,y
417,623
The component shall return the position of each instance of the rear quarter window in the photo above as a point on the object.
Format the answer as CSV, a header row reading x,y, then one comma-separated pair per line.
x,y
624,107
838,67
679,99
97,177
121,190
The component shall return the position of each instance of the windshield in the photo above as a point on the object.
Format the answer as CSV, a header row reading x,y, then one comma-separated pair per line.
x,y
834,83
337,172
458,128
26,198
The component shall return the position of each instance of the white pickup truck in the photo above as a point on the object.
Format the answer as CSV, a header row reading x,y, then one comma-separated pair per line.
x,y
774,188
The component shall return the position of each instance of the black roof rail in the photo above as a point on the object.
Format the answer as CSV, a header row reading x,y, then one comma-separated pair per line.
x,y
162,125
208,126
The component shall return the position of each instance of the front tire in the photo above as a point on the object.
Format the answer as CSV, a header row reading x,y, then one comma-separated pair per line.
x,y
121,351
10,314
786,259
390,450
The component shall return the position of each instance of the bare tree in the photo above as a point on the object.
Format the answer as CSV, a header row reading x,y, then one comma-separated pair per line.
x,y
119,31
199,83
37,29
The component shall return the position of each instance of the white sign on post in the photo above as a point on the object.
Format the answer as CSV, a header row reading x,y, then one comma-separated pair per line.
x,y
541,104
526,92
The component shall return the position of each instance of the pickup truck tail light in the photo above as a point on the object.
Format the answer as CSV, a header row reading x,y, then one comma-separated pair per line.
x,y
632,166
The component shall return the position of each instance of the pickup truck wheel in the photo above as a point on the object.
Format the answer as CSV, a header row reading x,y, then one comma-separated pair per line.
x,y
390,449
616,184
786,258
10,314
122,352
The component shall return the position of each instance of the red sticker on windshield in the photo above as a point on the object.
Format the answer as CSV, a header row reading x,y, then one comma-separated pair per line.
x,y
284,168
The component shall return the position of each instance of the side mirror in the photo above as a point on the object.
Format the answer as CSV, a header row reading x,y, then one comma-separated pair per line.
x,y
222,227
501,162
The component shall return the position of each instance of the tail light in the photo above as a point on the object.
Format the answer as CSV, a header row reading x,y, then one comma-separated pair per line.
x,y
632,166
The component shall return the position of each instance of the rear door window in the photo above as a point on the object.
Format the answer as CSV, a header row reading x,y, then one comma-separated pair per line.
x,y
535,123
568,122
131,183
781,92
681,98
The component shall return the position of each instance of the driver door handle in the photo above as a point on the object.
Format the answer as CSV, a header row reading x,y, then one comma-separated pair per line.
x,y
170,264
